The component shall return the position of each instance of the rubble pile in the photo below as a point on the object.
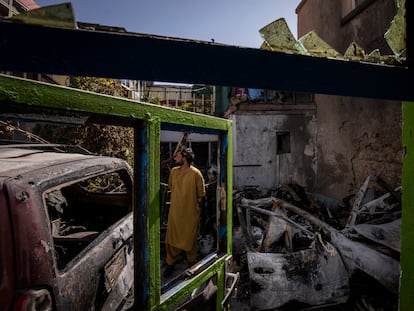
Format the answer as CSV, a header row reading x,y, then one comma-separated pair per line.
x,y
296,250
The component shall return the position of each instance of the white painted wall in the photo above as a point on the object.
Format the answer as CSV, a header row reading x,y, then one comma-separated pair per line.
x,y
255,160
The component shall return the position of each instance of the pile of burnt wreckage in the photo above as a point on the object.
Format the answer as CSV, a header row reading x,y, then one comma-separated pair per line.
x,y
301,251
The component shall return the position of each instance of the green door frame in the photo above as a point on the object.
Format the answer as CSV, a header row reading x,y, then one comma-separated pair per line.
x,y
23,95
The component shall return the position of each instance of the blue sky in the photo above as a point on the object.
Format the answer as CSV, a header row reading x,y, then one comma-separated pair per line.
x,y
230,22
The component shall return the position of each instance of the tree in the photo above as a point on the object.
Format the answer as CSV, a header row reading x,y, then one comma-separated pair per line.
x,y
108,140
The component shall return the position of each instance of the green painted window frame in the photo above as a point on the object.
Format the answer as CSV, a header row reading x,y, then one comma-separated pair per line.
x,y
147,120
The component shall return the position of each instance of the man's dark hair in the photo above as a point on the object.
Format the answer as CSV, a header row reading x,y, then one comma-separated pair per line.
x,y
188,154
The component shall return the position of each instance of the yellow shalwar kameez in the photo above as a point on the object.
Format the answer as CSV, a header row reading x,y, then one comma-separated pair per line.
x,y
184,213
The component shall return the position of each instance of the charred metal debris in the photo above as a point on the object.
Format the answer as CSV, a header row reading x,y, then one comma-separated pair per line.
x,y
302,251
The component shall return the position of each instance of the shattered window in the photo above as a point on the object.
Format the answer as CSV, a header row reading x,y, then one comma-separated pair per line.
x,y
80,212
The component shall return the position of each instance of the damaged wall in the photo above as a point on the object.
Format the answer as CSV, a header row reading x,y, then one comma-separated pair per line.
x,y
356,137
339,23
259,161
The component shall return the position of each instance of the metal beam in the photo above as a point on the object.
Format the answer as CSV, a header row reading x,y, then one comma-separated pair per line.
x,y
23,95
153,58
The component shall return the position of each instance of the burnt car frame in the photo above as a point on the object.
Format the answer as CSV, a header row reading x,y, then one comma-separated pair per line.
x,y
300,259
64,245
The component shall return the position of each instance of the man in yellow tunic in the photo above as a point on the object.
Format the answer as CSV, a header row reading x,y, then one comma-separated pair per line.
x,y
187,190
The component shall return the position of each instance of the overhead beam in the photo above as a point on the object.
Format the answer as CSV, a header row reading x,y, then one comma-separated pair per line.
x,y
154,58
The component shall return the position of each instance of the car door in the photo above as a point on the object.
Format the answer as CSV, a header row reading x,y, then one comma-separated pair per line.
x,y
92,227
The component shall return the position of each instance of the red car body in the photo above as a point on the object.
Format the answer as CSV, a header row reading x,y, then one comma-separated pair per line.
x,y
63,247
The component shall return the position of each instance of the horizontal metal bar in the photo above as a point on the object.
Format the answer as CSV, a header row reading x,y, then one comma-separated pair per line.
x,y
41,49
25,95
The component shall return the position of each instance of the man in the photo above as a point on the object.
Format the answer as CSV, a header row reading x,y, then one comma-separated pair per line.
x,y
187,190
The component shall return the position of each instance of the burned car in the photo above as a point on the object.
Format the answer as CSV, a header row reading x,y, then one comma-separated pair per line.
x,y
66,230
308,255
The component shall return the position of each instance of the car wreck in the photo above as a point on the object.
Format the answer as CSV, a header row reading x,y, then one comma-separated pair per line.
x,y
306,251
66,229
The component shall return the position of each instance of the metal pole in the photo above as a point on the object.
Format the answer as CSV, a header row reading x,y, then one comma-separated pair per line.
x,y
10,8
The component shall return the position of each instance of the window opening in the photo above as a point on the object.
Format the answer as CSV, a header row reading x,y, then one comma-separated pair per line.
x,y
80,212
282,142
205,148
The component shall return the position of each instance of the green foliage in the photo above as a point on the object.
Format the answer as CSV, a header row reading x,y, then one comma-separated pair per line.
x,y
108,140
105,183
100,85
186,106
150,99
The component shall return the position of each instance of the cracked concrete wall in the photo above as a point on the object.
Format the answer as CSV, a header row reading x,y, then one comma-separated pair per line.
x,y
255,158
356,138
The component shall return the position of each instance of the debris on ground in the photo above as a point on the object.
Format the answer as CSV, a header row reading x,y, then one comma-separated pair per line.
x,y
296,250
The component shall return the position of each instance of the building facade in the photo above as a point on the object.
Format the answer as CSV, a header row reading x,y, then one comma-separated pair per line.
x,y
355,137
274,137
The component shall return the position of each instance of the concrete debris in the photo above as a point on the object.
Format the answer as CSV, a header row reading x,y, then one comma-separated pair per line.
x,y
278,37
397,33
354,52
317,47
